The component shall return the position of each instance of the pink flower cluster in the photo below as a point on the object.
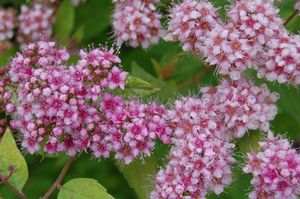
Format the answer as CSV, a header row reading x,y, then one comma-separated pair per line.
x,y
69,109
257,20
189,23
56,103
129,128
136,23
7,24
254,37
35,23
283,63
275,170
200,157
243,105
230,51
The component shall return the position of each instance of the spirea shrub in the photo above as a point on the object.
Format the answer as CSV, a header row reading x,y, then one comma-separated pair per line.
x,y
68,101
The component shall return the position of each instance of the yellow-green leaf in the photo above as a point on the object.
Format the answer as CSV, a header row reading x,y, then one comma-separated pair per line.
x,y
250,142
10,155
138,87
83,188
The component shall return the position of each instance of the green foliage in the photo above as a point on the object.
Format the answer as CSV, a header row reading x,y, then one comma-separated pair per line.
x,y
10,155
83,188
138,87
140,175
64,20
94,17
249,142
6,56
166,91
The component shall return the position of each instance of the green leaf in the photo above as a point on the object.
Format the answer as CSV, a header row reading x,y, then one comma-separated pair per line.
x,y
289,101
250,141
139,175
166,92
83,188
6,56
10,155
64,20
94,16
138,87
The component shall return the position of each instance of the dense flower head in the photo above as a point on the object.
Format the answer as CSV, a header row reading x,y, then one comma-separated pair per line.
x,y
189,23
200,157
129,128
275,169
282,60
36,56
35,22
136,24
56,104
7,24
256,19
231,53
242,105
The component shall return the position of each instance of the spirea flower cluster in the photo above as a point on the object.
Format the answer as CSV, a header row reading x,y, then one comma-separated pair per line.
x,y
189,23
53,95
7,24
129,128
35,22
69,109
136,23
283,63
200,157
275,169
254,37
243,105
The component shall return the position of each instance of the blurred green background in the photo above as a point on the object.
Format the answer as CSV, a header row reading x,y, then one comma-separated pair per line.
x,y
167,67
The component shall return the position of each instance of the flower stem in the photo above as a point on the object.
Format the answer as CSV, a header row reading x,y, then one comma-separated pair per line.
x,y
19,193
58,180
291,17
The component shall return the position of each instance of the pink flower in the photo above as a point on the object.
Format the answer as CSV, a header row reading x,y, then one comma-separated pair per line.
x,y
116,78
10,108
